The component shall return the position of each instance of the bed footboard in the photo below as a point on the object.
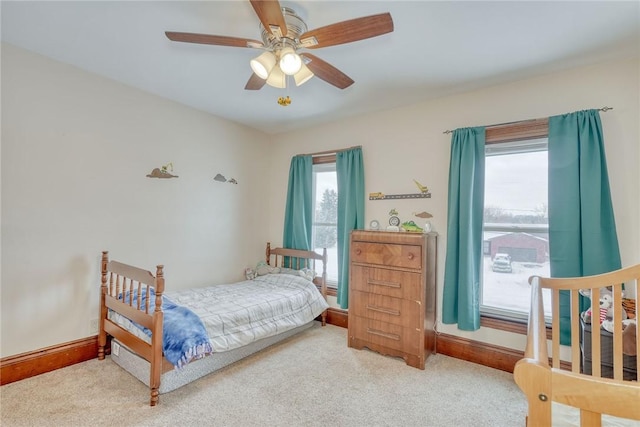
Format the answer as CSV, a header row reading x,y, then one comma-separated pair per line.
x,y
542,379
128,290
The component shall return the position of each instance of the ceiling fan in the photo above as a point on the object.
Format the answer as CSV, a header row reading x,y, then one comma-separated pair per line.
x,y
284,36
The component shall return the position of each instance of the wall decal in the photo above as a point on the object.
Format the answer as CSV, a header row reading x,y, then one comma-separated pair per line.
x,y
423,214
423,188
423,194
220,178
162,172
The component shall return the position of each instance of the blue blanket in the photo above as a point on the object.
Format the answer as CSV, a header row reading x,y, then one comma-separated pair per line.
x,y
184,337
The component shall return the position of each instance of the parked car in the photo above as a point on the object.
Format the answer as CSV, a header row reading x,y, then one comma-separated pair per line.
x,y
502,263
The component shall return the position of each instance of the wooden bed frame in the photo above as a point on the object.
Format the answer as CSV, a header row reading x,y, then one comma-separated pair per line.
x,y
543,381
119,279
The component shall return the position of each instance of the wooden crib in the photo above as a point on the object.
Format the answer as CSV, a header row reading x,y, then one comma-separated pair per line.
x,y
545,380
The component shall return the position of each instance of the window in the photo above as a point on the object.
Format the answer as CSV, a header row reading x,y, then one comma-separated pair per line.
x,y
516,226
325,218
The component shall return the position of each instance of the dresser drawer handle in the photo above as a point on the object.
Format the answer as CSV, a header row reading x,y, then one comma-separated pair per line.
x,y
410,256
383,310
383,334
382,283
358,251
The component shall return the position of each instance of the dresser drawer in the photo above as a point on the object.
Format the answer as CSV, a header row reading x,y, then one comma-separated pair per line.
x,y
387,334
392,255
398,311
393,283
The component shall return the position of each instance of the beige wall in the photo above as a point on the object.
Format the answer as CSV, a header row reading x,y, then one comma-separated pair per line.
x,y
75,152
407,143
76,149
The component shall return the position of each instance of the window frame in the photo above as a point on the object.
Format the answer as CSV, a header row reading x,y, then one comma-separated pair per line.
x,y
503,133
332,286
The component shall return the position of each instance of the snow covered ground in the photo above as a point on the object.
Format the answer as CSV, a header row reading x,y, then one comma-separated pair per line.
x,y
511,291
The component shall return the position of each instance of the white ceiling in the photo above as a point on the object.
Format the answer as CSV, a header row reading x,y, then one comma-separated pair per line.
x,y
436,49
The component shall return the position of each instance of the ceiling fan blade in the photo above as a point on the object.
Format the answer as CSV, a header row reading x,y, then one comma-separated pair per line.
x,y
349,31
211,39
270,13
255,82
328,72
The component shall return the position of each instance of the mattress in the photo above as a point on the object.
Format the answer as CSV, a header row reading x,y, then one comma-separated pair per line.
x,y
169,381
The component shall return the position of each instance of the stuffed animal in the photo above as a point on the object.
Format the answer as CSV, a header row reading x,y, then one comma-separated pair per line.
x,y
628,335
249,273
605,306
629,338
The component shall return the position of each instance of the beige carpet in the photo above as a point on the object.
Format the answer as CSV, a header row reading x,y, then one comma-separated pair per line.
x,y
312,379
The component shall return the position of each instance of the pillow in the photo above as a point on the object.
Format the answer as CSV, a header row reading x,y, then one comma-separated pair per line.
x,y
263,268
307,273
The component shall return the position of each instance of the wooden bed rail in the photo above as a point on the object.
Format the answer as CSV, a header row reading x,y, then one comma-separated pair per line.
x,y
544,382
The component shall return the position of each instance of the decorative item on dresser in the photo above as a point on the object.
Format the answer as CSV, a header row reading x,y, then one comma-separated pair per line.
x,y
392,294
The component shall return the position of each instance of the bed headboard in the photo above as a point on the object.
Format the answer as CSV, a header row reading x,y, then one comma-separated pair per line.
x,y
299,259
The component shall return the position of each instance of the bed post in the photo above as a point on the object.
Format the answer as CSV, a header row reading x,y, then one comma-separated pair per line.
x,y
156,339
268,253
102,335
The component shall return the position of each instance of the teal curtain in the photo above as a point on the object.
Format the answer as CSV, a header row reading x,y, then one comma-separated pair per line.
x,y
298,215
582,229
463,265
350,176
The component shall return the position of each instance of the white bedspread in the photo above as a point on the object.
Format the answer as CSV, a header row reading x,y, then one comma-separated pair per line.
x,y
240,313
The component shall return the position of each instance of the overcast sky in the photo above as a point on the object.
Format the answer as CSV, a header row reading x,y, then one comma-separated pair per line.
x,y
516,182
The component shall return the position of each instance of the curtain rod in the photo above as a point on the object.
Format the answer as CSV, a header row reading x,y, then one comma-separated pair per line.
x,y
603,109
320,153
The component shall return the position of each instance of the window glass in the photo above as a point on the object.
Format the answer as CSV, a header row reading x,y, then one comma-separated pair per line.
x,y
516,226
325,218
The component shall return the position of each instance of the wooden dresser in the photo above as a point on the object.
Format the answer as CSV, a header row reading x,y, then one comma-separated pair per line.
x,y
392,294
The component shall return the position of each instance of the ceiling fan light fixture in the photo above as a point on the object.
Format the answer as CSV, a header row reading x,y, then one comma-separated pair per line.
x,y
290,61
277,78
263,64
303,75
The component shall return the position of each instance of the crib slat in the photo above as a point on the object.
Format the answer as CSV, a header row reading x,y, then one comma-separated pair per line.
x,y
595,333
617,332
636,284
590,419
555,328
575,330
